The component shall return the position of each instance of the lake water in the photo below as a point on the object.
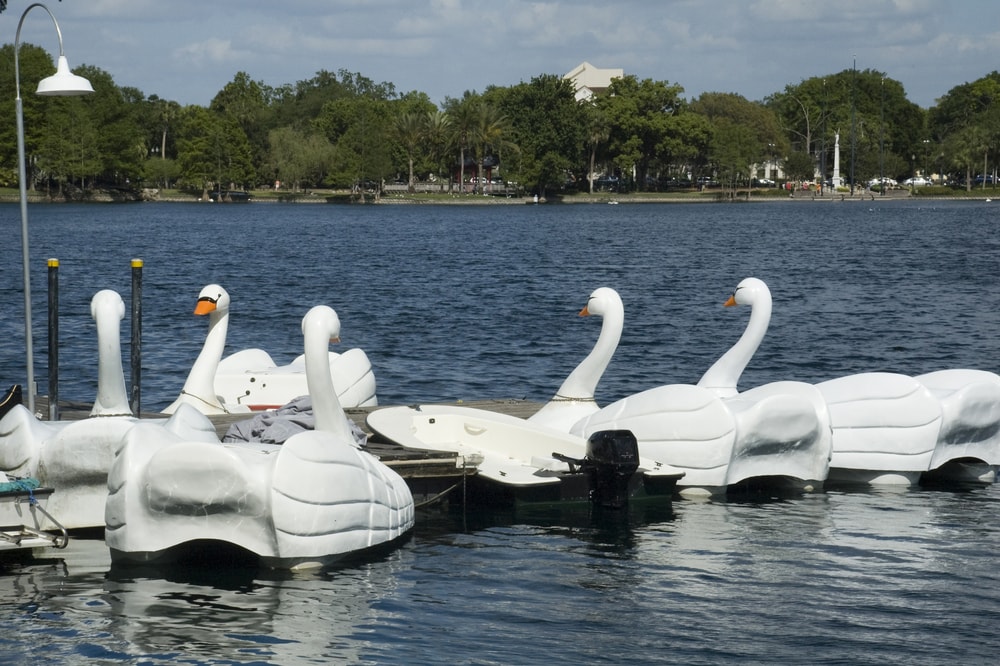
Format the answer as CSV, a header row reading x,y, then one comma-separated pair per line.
x,y
455,302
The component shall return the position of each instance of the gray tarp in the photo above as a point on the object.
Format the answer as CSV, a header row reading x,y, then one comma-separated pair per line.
x,y
276,425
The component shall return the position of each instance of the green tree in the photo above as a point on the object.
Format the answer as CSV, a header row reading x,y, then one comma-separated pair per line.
x,y
462,113
870,111
297,156
213,150
744,133
547,127
410,129
641,115
438,140
598,133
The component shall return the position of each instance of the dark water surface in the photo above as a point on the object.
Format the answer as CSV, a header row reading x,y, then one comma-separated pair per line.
x,y
481,302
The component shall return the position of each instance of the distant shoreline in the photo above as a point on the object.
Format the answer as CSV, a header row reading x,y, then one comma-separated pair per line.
x,y
575,199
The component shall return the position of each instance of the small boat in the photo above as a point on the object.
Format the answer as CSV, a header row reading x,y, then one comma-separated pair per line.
x,y
520,462
22,516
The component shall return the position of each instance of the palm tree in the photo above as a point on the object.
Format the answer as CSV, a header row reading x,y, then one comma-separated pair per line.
x,y
488,133
410,129
437,134
598,132
463,122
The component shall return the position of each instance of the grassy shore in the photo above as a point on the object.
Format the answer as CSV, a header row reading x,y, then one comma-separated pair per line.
x,y
715,195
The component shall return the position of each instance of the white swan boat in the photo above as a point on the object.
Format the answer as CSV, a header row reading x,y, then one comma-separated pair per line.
x,y
575,398
777,434
968,444
250,380
74,456
305,503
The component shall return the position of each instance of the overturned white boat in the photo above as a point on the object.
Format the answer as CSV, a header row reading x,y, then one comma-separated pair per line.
x,y
519,461
305,503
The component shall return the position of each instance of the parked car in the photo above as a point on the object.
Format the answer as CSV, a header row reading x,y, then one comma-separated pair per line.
x,y
917,181
988,179
886,181
763,182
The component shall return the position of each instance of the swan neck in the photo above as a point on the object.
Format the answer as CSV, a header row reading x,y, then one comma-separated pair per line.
x,y
724,375
112,396
201,380
327,409
582,382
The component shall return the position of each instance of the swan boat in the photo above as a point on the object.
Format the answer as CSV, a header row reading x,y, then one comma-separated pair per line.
x,y
250,380
306,503
775,434
74,456
517,461
575,398
968,444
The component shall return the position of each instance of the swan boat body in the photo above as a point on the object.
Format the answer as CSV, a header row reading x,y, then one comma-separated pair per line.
x,y
575,398
968,444
308,502
74,457
885,428
775,434
250,380
517,461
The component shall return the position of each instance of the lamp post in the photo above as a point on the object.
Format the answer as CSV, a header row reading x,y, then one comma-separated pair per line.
x,y
63,82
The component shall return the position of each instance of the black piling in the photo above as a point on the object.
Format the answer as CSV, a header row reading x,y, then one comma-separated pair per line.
x,y
136,347
53,339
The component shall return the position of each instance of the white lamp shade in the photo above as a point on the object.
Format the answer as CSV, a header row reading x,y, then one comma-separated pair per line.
x,y
64,82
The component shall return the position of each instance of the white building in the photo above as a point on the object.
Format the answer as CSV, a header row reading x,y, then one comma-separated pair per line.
x,y
589,81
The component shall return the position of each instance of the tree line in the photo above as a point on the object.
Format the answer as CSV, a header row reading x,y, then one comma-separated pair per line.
x,y
343,130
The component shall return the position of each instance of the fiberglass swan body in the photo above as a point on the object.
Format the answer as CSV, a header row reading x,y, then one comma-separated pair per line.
x,y
73,457
968,445
575,397
249,380
307,502
719,436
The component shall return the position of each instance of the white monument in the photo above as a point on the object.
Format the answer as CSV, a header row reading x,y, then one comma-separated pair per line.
x,y
836,181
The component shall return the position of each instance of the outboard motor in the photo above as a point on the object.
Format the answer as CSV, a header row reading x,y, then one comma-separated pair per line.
x,y
613,457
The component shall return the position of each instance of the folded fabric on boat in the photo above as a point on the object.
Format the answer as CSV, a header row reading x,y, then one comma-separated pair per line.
x,y
277,425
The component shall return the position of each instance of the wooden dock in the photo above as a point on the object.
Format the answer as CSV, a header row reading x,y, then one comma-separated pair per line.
x,y
431,475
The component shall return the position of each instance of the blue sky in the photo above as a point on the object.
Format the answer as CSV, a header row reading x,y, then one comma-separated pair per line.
x,y
187,50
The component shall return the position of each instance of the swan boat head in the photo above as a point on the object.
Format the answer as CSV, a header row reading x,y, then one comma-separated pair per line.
x,y
199,387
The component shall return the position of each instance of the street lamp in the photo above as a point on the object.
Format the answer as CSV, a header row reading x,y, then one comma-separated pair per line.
x,y
63,82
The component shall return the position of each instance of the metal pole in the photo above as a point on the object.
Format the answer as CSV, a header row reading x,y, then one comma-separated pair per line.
x,y
854,143
53,339
136,347
25,259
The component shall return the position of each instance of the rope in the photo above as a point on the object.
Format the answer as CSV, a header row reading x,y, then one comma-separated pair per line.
x,y
440,495
198,397
565,398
